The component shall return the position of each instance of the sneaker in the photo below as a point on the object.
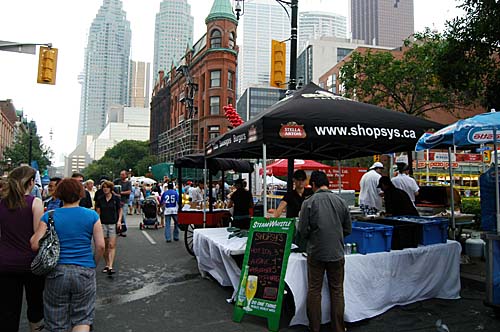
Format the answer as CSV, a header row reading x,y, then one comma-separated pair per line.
x,y
176,239
122,235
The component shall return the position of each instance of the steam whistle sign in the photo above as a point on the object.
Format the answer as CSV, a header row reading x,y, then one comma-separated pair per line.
x,y
262,279
292,130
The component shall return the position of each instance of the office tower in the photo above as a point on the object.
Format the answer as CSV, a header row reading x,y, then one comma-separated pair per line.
x,y
105,75
140,76
314,25
262,21
382,22
173,34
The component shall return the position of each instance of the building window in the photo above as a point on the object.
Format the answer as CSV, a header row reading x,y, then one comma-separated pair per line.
x,y
215,78
230,80
230,101
214,105
232,38
215,39
213,134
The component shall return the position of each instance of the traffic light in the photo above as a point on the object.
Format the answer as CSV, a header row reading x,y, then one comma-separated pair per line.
x,y
47,65
278,63
376,158
486,156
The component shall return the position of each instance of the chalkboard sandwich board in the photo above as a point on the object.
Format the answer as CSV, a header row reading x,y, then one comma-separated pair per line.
x,y
262,279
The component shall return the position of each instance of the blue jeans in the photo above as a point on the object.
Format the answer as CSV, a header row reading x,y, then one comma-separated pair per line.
x,y
124,212
167,227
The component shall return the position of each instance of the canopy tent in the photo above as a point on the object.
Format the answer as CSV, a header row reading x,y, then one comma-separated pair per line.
x,y
280,166
142,180
480,129
214,164
316,124
272,180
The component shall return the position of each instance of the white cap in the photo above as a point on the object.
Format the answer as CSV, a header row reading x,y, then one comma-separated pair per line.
x,y
378,164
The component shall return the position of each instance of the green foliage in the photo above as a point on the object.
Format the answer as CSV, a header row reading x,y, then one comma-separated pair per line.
x,y
19,151
408,83
469,60
128,154
472,205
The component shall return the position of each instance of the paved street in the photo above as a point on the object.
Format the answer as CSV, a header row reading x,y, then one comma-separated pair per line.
x,y
157,287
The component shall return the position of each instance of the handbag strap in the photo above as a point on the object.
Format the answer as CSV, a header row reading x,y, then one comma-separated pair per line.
x,y
51,219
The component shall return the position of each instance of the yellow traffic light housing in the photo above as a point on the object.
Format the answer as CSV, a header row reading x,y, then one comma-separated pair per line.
x,y
278,63
47,65
486,156
376,158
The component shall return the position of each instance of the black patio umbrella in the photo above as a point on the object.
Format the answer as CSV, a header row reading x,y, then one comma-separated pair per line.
x,y
316,124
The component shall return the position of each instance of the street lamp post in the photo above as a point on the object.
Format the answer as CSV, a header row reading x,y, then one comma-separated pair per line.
x,y
31,124
294,5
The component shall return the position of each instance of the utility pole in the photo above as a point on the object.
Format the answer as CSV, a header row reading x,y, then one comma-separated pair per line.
x,y
292,85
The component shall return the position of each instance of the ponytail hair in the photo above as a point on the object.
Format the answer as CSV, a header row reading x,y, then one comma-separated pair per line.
x,y
13,191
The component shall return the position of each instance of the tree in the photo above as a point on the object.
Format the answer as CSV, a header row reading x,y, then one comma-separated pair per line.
x,y
469,60
127,154
404,80
19,151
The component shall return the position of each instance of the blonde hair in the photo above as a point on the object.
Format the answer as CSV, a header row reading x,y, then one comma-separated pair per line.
x,y
18,181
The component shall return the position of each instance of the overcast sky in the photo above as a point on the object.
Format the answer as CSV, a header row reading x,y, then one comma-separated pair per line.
x,y
65,24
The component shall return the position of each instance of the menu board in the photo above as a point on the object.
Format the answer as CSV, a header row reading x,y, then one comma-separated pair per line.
x,y
266,262
262,279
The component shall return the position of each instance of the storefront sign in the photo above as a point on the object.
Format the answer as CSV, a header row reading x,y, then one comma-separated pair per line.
x,y
262,279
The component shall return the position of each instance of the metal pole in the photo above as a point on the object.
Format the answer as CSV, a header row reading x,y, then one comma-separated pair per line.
x,y
203,193
497,203
340,176
427,168
30,148
292,84
264,180
289,180
452,196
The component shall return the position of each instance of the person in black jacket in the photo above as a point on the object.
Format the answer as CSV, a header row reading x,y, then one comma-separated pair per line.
x,y
397,202
87,200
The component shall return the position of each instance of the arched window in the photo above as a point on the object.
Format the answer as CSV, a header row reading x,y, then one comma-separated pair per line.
x,y
231,40
215,39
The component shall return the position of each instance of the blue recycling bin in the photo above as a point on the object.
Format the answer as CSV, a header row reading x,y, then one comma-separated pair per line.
x,y
493,271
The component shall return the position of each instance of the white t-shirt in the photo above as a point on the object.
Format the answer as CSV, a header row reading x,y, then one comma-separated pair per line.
x,y
196,194
407,184
369,194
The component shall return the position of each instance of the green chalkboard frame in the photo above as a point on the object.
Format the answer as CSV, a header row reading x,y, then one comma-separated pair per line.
x,y
260,307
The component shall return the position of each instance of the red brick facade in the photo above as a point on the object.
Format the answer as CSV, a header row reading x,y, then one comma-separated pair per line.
x,y
211,65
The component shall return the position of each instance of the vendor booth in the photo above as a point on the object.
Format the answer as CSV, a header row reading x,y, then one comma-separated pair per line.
x,y
204,214
315,124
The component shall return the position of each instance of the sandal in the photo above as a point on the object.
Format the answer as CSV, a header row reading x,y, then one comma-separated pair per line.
x,y
111,271
105,270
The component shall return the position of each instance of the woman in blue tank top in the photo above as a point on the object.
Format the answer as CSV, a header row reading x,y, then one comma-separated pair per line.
x,y
70,289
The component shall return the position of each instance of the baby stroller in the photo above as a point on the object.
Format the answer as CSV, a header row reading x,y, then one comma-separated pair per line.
x,y
149,213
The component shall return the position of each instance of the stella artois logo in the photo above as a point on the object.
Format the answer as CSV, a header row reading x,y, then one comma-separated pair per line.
x,y
252,134
292,130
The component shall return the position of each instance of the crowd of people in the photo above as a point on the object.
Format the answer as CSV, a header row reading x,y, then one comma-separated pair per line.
x,y
85,217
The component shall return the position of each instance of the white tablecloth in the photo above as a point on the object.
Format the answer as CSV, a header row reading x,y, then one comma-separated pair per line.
x,y
373,283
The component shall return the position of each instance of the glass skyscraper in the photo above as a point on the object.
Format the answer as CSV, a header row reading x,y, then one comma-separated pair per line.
x,y
104,78
262,21
314,25
382,22
173,34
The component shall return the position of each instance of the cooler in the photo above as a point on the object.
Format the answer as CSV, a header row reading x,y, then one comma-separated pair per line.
x,y
431,230
369,237
404,234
